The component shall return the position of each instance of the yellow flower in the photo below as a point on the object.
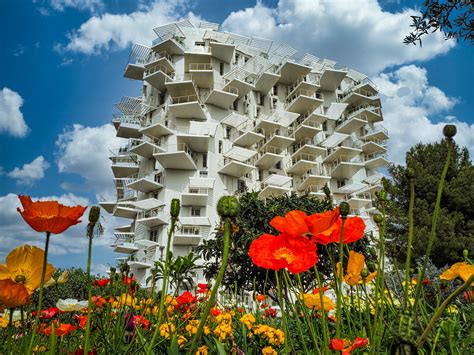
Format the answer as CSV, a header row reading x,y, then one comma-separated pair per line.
x,y
24,266
165,330
62,279
313,301
462,270
452,309
3,322
268,350
274,336
202,350
355,265
192,327
181,341
247,319
127,300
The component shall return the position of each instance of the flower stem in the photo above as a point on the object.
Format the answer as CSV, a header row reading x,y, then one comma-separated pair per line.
x,y
220,275
339,280
410,241
40,297
89,287
283,313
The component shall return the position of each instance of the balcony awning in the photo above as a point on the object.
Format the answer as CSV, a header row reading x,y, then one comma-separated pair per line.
x,y
194,221
240,154
234,119
147,204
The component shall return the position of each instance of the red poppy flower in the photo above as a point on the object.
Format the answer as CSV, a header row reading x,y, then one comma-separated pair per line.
x,y
215,311
141,321
353,230
49,216
47,313
260,298
271,312
316,290
129,280
82,321
296,254
13,294
345,346
101,282
186,297
202,286
469,296
59,330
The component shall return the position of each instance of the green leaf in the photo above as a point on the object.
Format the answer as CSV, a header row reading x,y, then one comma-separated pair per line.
x,y
220,347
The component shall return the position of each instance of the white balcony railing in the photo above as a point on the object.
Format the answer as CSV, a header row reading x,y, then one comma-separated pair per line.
x,y
200,66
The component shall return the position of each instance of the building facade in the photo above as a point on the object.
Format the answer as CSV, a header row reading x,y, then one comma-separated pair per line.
x,y
221,113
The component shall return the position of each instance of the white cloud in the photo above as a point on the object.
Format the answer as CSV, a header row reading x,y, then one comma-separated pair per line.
x,y
30,172
409,103
358,34
83,5
118,31
11,118
84,151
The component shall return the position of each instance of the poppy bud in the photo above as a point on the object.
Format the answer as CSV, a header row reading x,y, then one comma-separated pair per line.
x,y
94,214
364,273
175,207
382,195
465,253
228,206
449,131
412,270
410,173
378,218
344,209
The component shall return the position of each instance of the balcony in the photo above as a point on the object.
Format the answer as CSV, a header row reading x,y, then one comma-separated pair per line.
x,y
373,113
172,46
107,205
279,138
127,126
266,81
143,264
156,127
346,148
307,146
275,119
124,211
247,138
374,146
243,87
316,191
181,85
377,132
306,82
152,217
302,101
222,96
222,51
187,235
157,75
124,165
146,182
234,167
194,196
301,163
203,74
290,72
344,167
145,146
146,243
364,94
187,107
306,127
178,156
163,58
317,176
350,124
275,185
331,78
358,200
374,161
268,157
125,248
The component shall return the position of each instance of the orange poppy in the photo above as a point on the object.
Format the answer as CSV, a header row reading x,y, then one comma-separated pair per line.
x,y
24,266
13,294
62,329
355,265
313,301
461,269
297,254
353,230
49,216
345,346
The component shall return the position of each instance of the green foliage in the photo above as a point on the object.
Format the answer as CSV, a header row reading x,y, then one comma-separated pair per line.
x,y
252,221
455,230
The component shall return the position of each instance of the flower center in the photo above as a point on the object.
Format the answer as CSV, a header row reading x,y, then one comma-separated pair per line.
x,y
284,253
20,279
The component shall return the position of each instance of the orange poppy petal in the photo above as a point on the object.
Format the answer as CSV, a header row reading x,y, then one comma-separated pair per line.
x,y
354,228
4,273
452,272
12,294
293,224
356,263
260,253
320,222
466,271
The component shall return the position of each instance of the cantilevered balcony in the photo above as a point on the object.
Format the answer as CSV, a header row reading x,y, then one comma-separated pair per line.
x,y
275,185
364,94
350,124
372,112
156,127
307,146
124,210
302,101
222,96
266,81
222,51
234,167
316,191
187,107
163,58
188,235
279,138
290,72
378,132
153,217
243,87
194,196
275,119
127,126
157,74
246,138
171,46
358,200
203,74
317,176
268,157
300,163
374,146
306,126
140,264
125,246
344,167
331,78
135,67
124,165
107,205
181,85
146,182
346,148
145,146
374,161
308,82
178,156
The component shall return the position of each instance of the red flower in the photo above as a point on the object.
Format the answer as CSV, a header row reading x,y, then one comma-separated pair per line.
x,y
60,330
215,311
141,321
345,346
101,282
49,216
129,280
82,321
202,286
186,297
271,312
47,313
240,310
316,290
260,298
469,296
99,301
296,254
353,230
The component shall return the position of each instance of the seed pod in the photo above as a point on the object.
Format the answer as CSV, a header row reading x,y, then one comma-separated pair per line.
x,y
378,218
344,209
94,215
228,206
449,131
465,253
175,208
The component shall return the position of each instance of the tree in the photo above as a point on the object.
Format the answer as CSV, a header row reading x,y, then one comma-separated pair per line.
x,y
251,222
454,17
455,229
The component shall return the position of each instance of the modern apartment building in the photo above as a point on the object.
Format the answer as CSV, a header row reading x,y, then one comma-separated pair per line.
x,y
221,113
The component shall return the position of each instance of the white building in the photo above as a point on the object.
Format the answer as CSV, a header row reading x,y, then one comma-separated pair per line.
x,y
220,113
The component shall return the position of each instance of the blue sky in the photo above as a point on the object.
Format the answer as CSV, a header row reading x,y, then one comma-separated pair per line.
x,y
61,73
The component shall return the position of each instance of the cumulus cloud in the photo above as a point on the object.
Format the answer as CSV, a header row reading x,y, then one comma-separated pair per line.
x,y
11,117
84,151
30,172
409,104
358,34
118,31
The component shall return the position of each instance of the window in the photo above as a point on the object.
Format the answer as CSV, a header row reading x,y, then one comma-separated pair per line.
x,y
260,175
204,160
235,105
325,126
340,183
190,230
228,130
199,44
237,57
154,235
246,59
278,165
274,103
220,147
202,174
241,186
275,89
195,211
221,68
